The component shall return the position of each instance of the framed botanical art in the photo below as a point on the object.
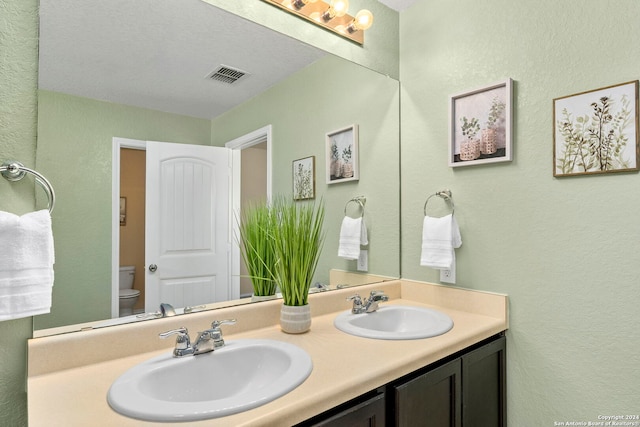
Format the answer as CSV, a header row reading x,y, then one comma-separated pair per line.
x,y
304,178
342,155
480,125
596,131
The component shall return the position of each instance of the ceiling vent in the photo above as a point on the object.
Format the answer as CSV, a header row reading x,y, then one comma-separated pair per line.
x,y
226,74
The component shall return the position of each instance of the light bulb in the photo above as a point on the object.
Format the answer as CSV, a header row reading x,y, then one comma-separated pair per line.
x,y
340,7
362,21
337,8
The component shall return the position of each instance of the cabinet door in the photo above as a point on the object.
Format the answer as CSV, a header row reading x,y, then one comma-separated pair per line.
x,y
370,413
430,400
484,385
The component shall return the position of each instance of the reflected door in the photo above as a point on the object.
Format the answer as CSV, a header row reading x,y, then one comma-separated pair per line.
x,y
187,233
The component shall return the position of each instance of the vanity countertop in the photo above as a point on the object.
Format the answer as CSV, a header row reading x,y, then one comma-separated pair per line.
x,y
344,366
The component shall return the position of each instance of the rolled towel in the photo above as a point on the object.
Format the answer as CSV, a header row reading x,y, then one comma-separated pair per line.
x,y
439,238
353,233
26,264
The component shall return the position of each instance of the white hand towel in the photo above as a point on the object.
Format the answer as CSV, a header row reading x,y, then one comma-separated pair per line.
x,y
439,238
353,233
26,264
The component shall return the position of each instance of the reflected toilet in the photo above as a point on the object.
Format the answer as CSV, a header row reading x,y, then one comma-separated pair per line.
x,y
128,296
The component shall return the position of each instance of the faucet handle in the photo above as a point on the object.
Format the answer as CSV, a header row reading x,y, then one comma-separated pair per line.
x,y
376,293
183,343
217,323
216,333
355,298
357,303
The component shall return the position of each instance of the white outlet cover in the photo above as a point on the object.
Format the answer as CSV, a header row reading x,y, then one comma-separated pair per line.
x,y
448,276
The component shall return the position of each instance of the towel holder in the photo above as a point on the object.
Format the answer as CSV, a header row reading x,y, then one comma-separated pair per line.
x,y
360,200
446,195
15,171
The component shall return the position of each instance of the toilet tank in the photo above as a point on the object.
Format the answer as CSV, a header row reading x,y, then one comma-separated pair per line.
x,y
127,274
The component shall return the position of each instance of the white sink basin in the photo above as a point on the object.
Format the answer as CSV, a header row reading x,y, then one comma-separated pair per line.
x,y
395,322
240,376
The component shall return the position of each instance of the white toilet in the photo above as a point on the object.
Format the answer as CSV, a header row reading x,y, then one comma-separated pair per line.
x,y
128,295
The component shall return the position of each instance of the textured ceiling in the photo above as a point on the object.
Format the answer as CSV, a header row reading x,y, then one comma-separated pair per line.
x,y
156,54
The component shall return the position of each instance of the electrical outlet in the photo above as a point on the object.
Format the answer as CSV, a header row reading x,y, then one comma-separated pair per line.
x,y
363,261
448,276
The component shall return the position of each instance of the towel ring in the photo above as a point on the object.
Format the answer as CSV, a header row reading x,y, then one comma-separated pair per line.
x,y
15,171
360,200
446,195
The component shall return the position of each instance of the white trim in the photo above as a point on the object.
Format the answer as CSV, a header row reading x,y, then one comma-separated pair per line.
x,y
117,144
236,145
254,138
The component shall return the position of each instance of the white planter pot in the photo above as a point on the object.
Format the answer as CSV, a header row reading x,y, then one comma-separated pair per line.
x,y
295,319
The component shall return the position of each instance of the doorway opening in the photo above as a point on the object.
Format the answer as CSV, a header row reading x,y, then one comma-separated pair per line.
x,y
252,162
254,184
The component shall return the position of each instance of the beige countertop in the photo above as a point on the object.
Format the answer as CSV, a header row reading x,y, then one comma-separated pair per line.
x,y
66,388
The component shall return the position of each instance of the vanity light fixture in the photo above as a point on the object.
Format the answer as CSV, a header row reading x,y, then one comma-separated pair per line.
x,y
332,16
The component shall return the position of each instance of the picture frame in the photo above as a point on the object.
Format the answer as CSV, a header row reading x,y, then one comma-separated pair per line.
x,y
480,125
304,178
596,131
342,155
123,211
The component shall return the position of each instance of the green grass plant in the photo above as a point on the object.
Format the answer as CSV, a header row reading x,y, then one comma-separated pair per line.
x,y
257,247
298,239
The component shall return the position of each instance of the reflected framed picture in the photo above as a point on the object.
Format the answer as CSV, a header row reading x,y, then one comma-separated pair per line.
x,y
480,125
596,132
123,211
304,178
342,155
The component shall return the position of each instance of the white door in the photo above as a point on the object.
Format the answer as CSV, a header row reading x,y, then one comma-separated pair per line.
x,y
188,225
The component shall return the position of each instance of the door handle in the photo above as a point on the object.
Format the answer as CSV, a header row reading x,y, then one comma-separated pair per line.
x,y
153,268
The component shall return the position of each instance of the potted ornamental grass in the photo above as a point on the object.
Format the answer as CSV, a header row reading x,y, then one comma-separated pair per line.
x,y
297,240
256,246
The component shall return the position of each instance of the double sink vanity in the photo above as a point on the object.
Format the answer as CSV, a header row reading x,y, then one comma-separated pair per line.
x,y
385,358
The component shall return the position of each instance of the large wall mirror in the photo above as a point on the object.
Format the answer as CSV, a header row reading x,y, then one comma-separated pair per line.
x,y
140,71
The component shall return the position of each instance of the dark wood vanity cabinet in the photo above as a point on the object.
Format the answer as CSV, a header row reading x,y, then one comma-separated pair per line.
x,y
431,399
368,410
484,385
467,389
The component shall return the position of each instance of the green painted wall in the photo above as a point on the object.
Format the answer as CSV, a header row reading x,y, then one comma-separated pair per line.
x,y
565,250
302,110
74,153
18,85
379,52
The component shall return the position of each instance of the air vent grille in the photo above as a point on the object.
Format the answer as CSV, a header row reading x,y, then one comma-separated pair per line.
x,y
226,74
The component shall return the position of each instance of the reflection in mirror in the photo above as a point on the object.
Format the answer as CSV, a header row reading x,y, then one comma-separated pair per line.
x,y
137,70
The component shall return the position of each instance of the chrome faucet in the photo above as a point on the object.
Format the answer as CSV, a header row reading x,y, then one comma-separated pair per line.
x,y
167,310
206,341
369,305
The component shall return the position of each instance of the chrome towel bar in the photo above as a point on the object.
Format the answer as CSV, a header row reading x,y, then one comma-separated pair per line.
x,y
15,171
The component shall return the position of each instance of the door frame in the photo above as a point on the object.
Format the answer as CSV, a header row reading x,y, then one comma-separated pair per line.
x,y
117,144
258,136
237,145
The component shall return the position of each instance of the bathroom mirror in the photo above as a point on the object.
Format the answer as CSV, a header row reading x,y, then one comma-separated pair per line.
x,y
100,66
